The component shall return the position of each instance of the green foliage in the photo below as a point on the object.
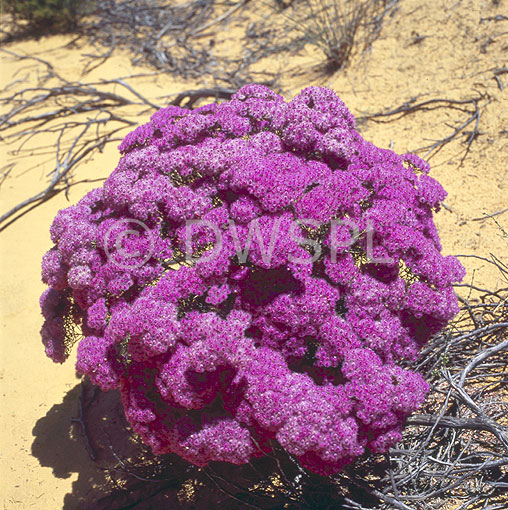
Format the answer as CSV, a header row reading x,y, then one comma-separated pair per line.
x,y
42,15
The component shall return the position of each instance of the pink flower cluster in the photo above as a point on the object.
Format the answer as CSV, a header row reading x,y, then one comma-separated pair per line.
x,y
217,357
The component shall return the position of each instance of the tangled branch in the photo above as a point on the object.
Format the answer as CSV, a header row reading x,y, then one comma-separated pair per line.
x,y
179,38
338,28
456,449
79,119
412,106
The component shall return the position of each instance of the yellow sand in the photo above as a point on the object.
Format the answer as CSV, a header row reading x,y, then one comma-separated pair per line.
x,y
41,457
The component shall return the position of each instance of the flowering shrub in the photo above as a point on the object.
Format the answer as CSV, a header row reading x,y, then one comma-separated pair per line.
x,y
216,356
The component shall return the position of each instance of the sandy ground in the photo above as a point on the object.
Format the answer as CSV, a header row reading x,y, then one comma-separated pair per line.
x,y
44,463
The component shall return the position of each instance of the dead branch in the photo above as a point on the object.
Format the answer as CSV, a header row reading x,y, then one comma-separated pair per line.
x,y
457,444
173,37
452,422
411,107
487,216
193,96
78,118
81,420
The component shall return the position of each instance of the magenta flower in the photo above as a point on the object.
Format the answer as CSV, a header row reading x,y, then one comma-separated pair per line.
x,y
294,330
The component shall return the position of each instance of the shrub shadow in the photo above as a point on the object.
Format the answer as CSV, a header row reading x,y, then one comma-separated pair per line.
x,y
125,475
59,443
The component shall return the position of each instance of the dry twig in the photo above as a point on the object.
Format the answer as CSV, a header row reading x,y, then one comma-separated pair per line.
x,y
412,106
79,119
455,449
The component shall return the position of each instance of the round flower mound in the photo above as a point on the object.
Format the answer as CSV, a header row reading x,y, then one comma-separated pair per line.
x,y
216,356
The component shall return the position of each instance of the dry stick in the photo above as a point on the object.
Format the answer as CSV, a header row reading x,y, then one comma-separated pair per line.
x,y
87,105
498,17
458,425
487,216
434,148
195,95
228,493
485,465
94,100
56,179
125,469
472,315
482,357
164,35
5,171
468,335
379,495
497,72
437,492
498,430
240,488
136,93
140,26
51,69
103,58
220,18
146,498
450,422
479,289
81,420
395,490
410,107
503,268
426,442
438,145
473,134
129,473
279,466
67,90
479,257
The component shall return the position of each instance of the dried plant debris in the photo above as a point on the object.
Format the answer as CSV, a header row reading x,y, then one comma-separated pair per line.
x,y
453,454
339,28
79,119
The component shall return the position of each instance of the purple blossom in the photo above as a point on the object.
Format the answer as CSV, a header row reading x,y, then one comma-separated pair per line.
x,y
213,354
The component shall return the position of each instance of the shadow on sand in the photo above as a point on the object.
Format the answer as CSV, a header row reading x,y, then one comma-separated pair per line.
x,y
115,471
60,443
125,475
